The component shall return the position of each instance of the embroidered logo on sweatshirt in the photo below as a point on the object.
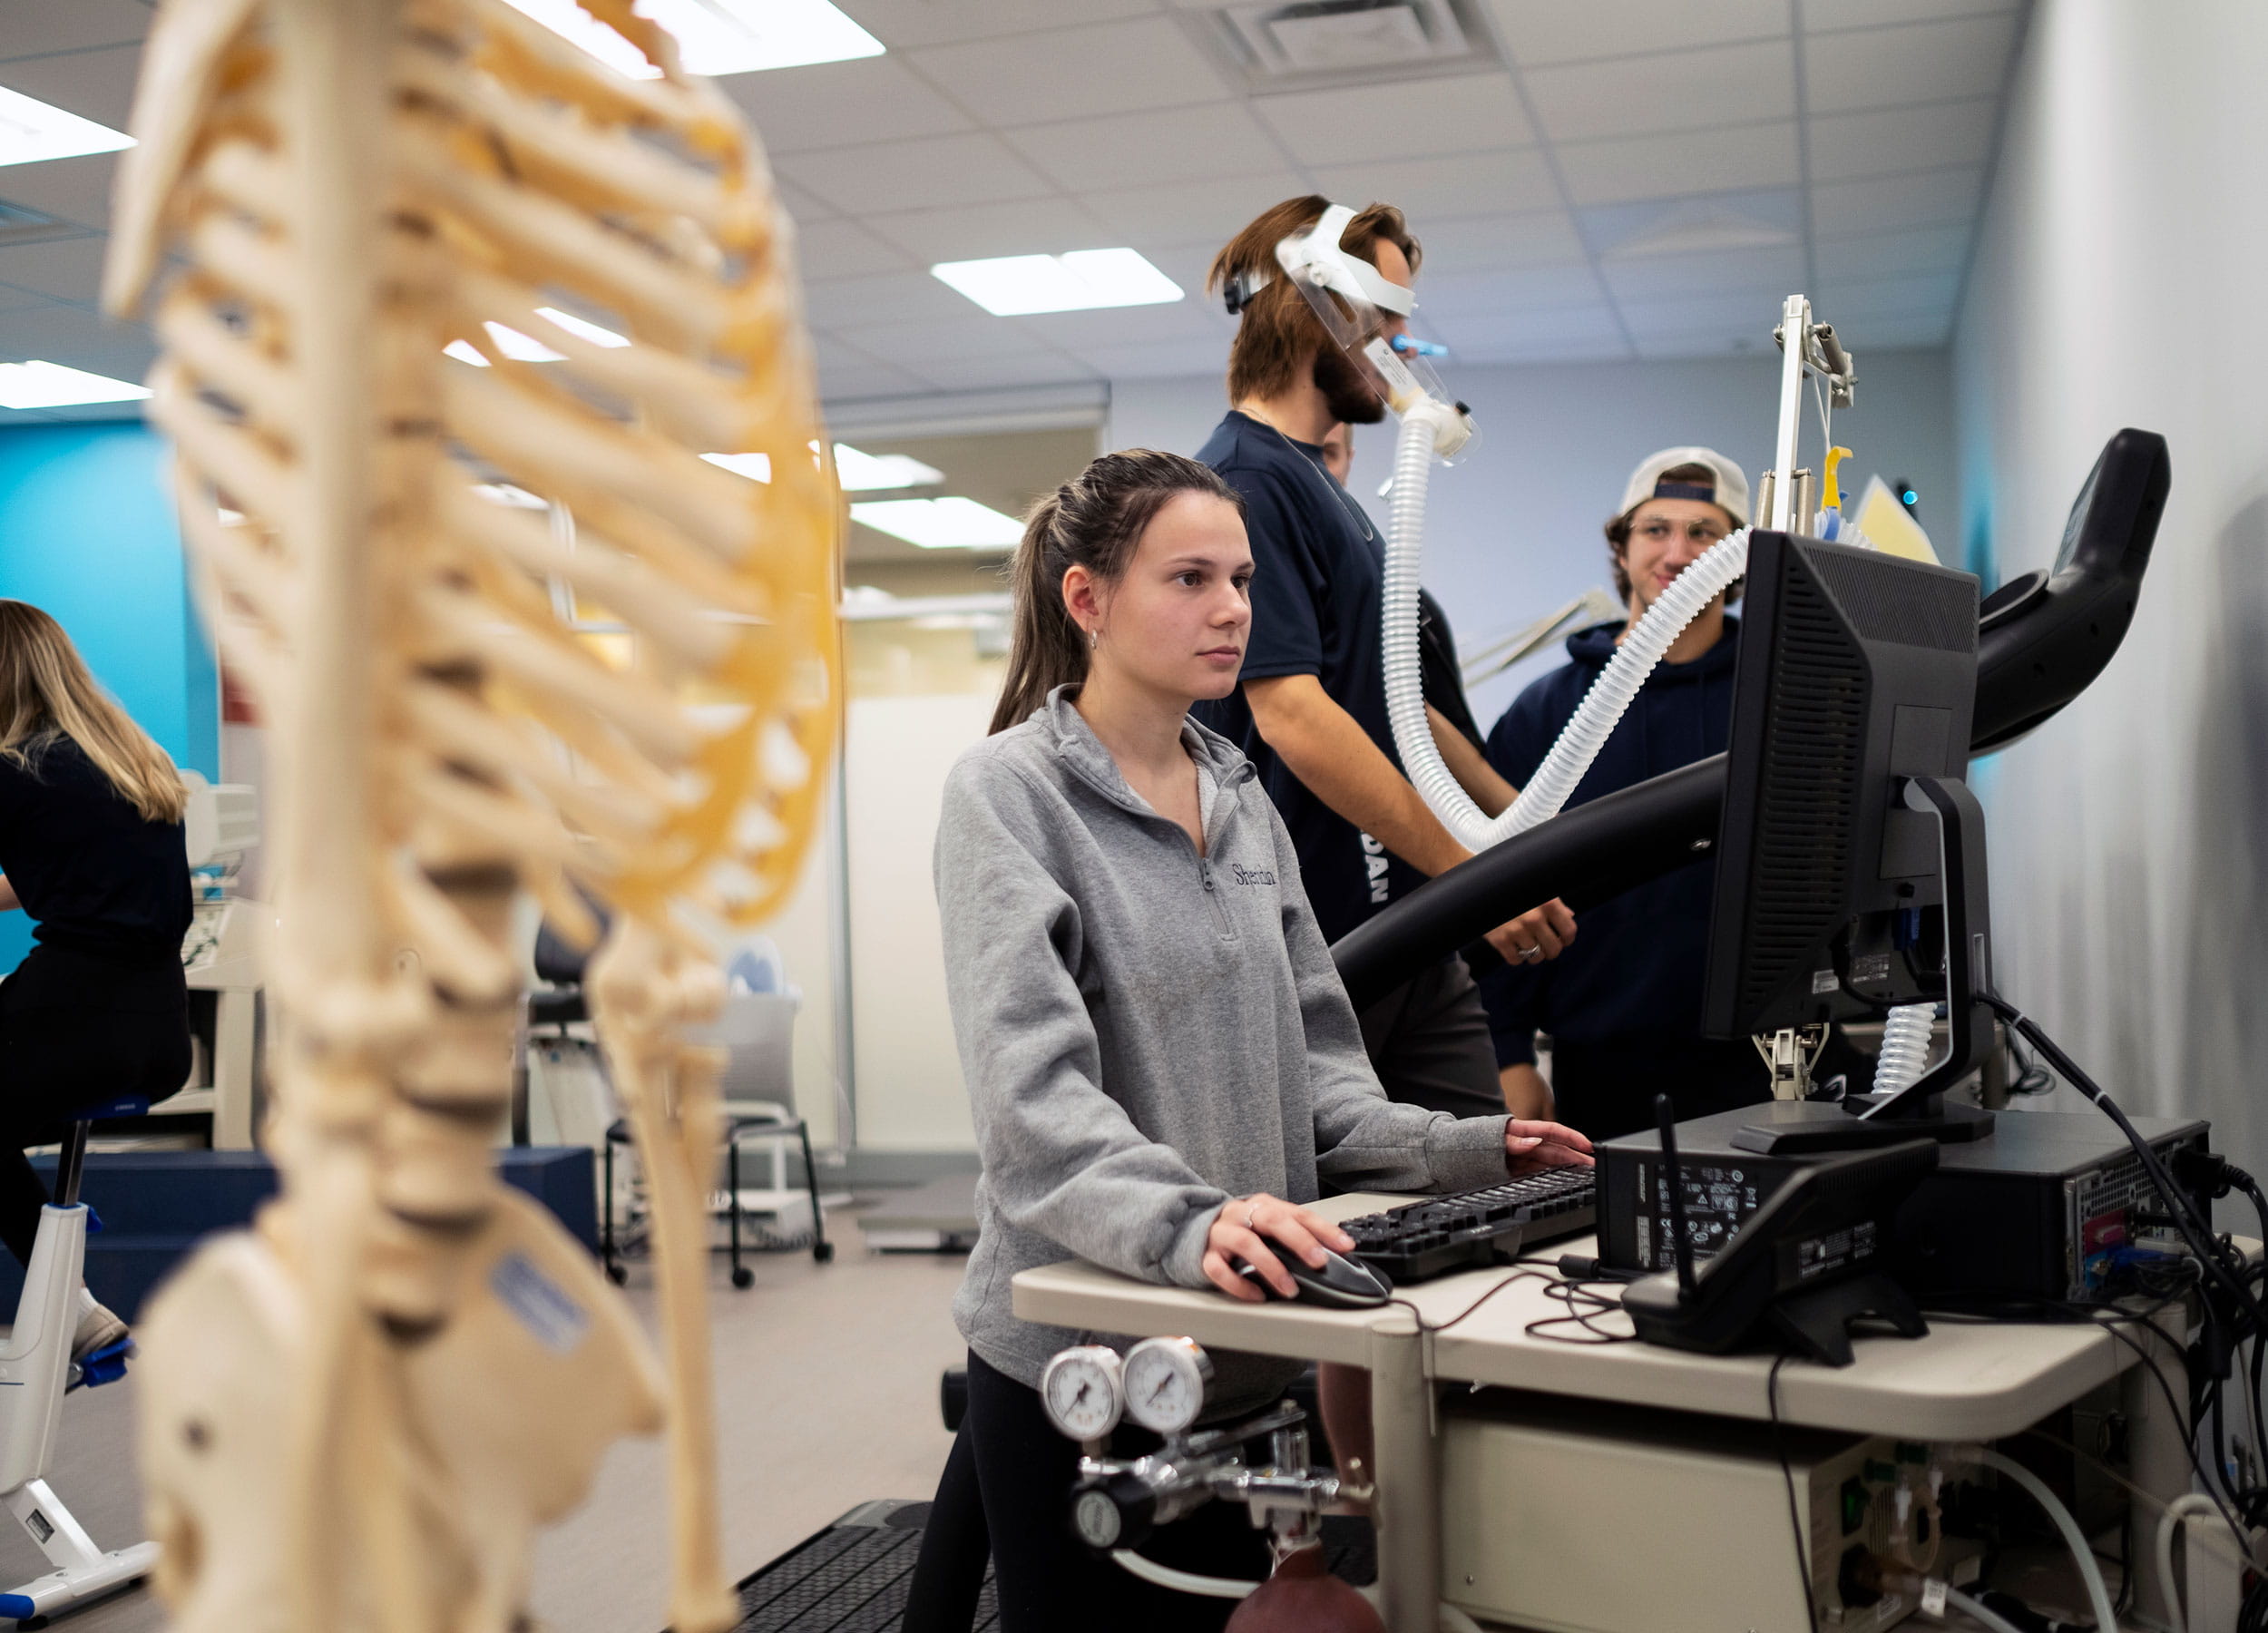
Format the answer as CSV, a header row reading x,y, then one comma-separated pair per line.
x,y
1252,876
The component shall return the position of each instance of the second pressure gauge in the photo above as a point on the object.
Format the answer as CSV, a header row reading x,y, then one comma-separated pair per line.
x,y
1165,1383
1082,1392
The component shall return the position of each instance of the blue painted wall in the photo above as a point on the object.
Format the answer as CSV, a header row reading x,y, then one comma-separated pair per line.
x,y
87,533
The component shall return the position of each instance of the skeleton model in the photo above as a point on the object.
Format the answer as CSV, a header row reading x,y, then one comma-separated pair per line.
x,y
358,1413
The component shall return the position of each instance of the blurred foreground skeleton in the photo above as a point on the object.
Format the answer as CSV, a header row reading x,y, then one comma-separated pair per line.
x,y
356,1414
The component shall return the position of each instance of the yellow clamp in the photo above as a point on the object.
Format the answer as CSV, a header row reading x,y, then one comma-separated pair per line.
x,y
1834,496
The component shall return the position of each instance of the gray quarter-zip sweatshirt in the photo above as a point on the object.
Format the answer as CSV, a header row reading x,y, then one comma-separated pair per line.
x,y
1146,1032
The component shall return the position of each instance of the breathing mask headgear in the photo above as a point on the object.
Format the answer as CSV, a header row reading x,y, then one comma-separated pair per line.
x,y
1358,306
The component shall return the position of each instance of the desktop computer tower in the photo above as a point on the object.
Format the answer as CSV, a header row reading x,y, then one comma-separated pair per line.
x,y
2033,1211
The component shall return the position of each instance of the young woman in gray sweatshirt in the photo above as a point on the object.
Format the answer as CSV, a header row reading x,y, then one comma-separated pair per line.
x,y
1160,1059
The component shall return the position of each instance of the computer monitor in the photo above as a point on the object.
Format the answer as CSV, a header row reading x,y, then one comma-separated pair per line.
x,y
1845,819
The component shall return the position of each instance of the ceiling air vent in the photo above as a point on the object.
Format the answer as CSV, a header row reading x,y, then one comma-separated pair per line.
x,y
1330,41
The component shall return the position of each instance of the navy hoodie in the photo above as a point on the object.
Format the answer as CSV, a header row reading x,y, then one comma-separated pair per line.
x,y
1637,965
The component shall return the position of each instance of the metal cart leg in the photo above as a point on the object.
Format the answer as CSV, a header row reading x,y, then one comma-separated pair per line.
x,y
609,1250
822,1250
1408,1475
742,1276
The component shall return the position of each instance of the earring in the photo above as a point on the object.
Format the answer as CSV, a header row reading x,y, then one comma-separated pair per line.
x,y
1094,638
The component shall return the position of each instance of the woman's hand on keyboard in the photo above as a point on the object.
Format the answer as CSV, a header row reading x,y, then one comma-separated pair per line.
x,y
1530,1145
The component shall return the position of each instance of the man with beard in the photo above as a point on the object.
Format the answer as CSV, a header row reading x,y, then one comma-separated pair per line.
x,y
1310,711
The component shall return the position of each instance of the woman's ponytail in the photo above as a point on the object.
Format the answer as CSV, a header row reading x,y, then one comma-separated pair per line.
x,y
1094,520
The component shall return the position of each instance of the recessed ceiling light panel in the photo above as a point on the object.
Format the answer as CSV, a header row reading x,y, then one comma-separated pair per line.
x,y
51,385
718,36
31,131
862,473
1010,286
951,523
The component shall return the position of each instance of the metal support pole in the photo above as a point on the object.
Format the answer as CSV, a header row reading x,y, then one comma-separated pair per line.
x,y
1408,1505
1796,321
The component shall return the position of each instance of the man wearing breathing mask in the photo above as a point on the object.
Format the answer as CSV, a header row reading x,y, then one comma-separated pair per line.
x,y
1624,1009
1310,711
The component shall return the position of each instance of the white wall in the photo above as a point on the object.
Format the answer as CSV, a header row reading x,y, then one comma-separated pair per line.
x,y
2118,284
1514,530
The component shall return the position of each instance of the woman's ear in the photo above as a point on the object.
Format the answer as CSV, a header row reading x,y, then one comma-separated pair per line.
x,y
1081,599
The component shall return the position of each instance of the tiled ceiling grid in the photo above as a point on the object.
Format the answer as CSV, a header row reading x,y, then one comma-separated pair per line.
x,y
1627,179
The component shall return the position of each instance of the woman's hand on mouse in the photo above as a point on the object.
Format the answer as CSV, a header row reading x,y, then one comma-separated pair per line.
x,y
1247,1226
1531,1144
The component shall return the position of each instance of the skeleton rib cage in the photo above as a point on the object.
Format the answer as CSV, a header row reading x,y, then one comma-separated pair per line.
x,y
340,205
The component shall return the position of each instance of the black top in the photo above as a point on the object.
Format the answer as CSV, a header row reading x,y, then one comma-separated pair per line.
x,y
84,864
1636,967
1318,588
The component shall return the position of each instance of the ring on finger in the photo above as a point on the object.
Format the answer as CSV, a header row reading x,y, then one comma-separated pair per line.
x,y
1529,951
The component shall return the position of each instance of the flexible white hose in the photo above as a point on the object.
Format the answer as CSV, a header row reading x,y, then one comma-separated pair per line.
x,y
2081,1553
1602,709
1905,1047
1182,1581
2190,1505
1603,705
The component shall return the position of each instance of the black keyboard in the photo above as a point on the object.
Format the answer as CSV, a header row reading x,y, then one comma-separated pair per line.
x,y
1420,1240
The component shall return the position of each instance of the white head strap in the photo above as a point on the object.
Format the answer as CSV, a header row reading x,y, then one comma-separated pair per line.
x,y
1329,267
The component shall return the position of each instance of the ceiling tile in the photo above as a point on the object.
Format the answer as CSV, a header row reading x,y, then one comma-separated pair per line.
x,y
94,85
1671,91
1851,304
1658,278
20,301
1555,30
993,374
1445,299
1186,144
1847,146
1591,322
1894,254
1912,333
65,270
28,28
1194,212
801,207
1068,73
70,190
901,24
976,231
854,382
1506,179
1821,15
1601,348
1159,362
79,338
1658,167
1897,67
1488,243
917,344
886,298
914,175
1694,343
836,104
846,250
1190,322
1749,314
1362,122
1931,199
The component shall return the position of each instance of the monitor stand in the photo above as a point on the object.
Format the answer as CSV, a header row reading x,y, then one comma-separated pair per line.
x,y
1801,1127
1792,1128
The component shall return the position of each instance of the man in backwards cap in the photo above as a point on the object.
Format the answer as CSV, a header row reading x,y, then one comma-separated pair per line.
x,y
1623,1005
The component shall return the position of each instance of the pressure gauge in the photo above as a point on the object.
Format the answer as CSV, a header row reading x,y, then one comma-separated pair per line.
x,y
1165,1383
1082,1392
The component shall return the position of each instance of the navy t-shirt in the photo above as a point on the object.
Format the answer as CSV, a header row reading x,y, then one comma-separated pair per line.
x,y
1317,586
1637,963
97,876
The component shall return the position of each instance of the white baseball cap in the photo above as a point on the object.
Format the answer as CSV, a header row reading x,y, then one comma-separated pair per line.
x,y
1729,491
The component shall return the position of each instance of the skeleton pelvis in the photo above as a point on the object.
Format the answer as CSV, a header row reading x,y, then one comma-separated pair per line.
x,y
498,1420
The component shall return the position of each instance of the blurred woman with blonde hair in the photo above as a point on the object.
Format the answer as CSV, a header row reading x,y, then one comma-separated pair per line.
x,y
91,846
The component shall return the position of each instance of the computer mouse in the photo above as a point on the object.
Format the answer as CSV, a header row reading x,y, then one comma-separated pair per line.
x,y
1342,1283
